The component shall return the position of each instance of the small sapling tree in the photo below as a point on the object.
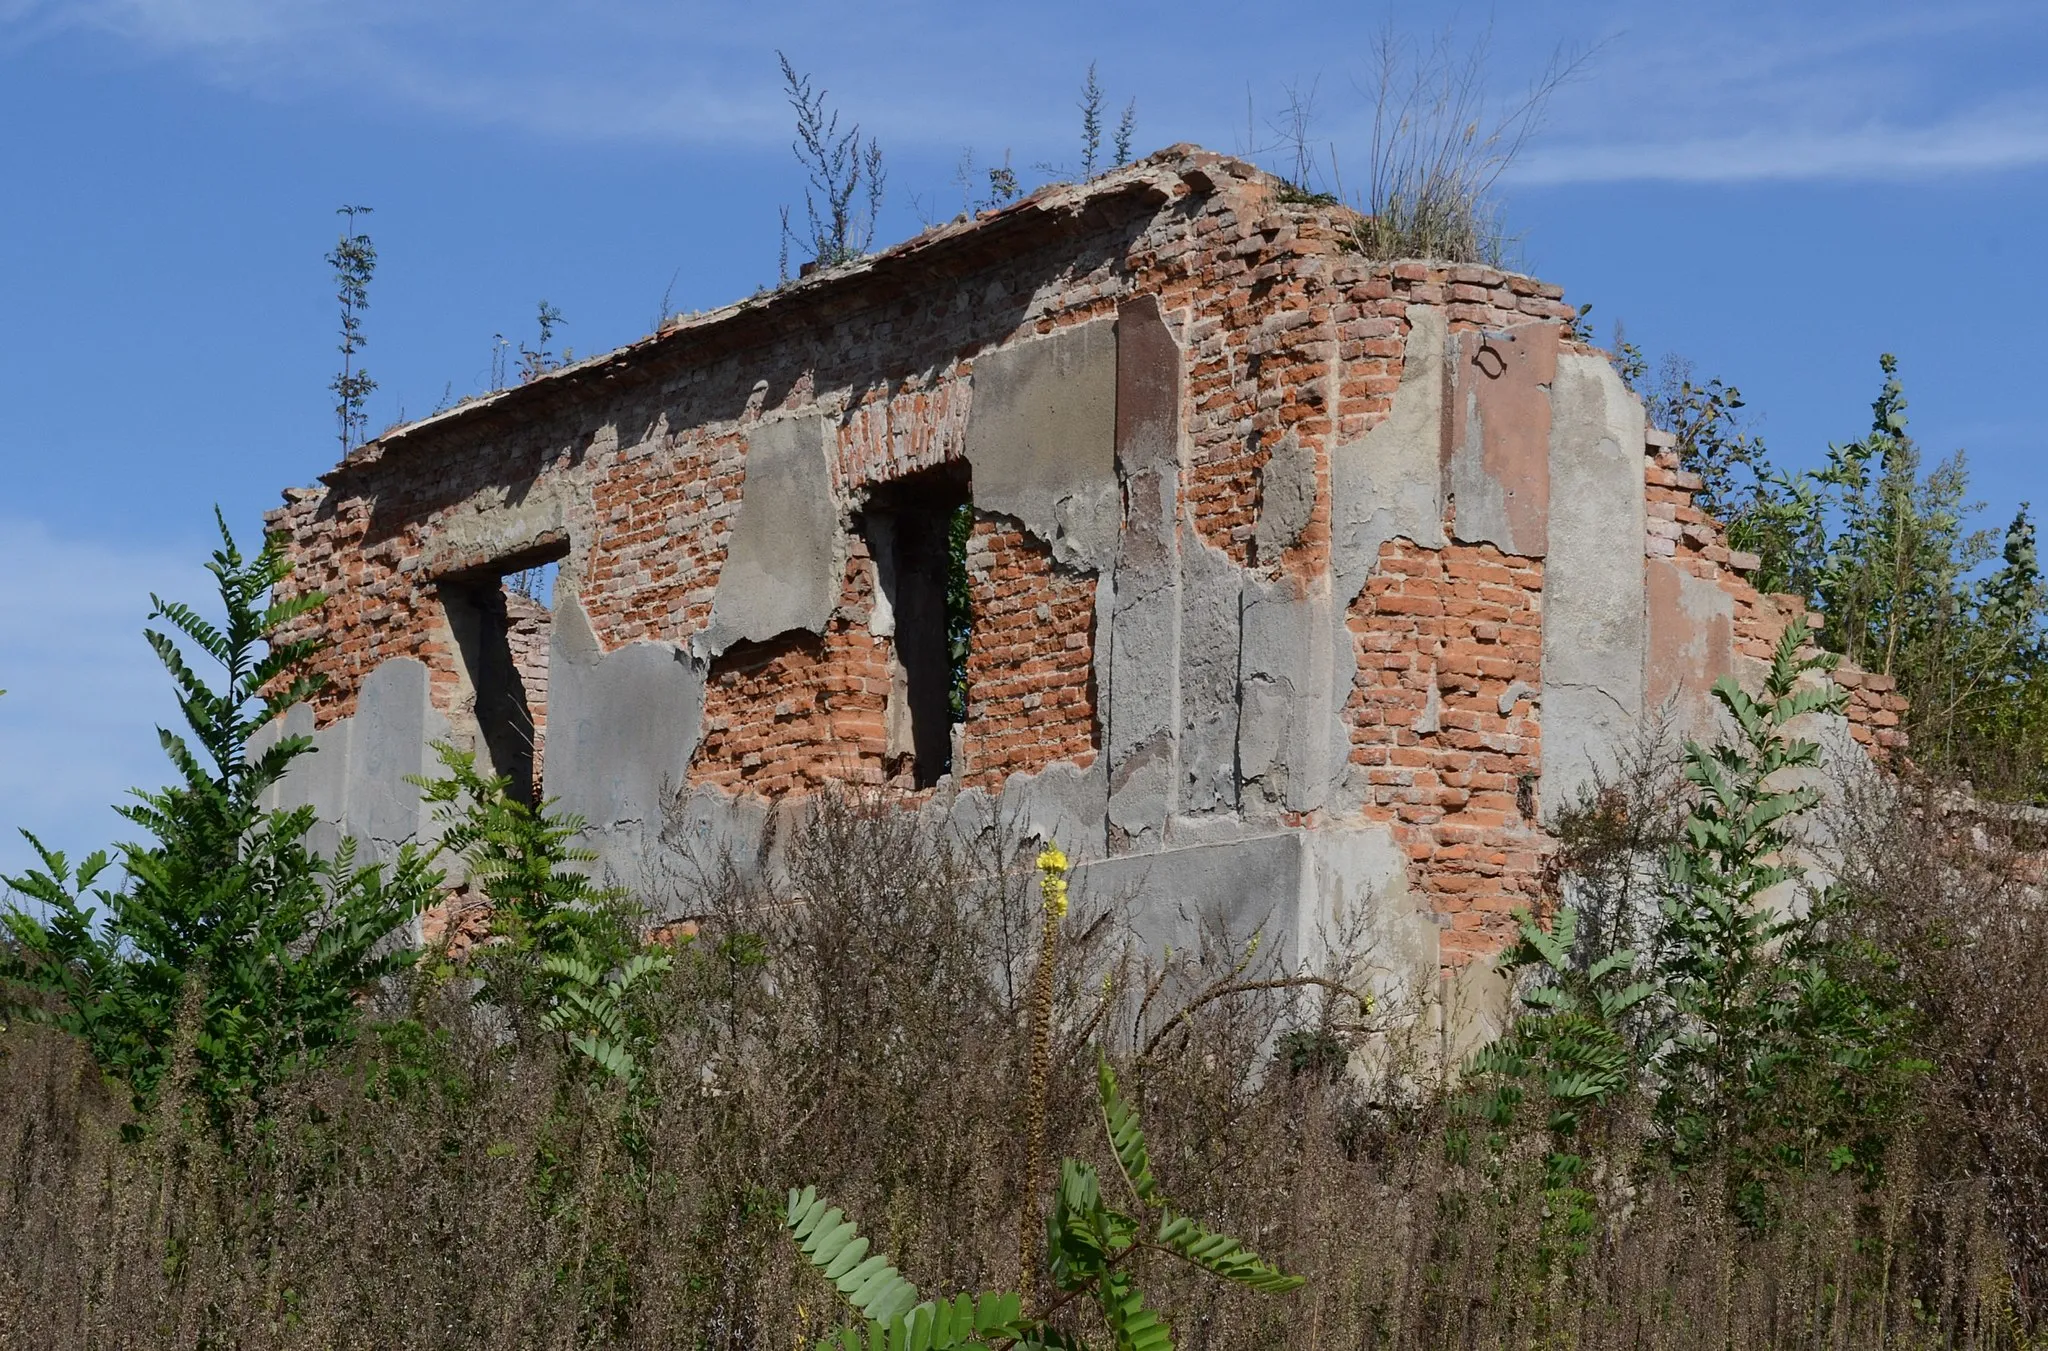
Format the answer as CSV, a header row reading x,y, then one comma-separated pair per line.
x,y
354,261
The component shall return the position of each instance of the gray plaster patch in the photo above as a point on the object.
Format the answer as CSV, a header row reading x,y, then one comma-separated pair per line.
x,y
1061,804
1208,679
1287,497
1139,660
1041,437
503,524
1594,631
1360,904
354,778
1285,723
1174,897
1312,896
783,567
705,832
390,737
317,778
1144,647
1141,795
622,726
1390,484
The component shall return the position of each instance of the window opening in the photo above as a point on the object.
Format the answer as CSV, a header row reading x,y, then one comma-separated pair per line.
x,y
917,531
502,623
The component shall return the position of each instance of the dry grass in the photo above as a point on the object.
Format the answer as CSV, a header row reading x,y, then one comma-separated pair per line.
x,y
864,1029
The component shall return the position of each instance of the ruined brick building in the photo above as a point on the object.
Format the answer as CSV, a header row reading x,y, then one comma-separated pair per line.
x,y
1300,583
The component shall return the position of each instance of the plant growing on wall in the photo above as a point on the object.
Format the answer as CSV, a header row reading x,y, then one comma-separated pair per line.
x,y
844,178
1095,1252
354,261
227,923
1092,105
538,360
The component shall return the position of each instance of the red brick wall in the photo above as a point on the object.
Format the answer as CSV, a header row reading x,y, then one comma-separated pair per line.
x,y
1285,332
1447,773
799,712
1030,658
528,629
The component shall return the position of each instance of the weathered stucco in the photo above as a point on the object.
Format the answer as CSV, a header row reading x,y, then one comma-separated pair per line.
x,y
1306,589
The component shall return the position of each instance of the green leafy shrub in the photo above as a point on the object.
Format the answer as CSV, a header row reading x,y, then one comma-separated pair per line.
x,y
227,924
1777,1060
1571,1057
1763,1052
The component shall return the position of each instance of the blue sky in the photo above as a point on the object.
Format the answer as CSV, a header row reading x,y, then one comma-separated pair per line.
x,y
1779,192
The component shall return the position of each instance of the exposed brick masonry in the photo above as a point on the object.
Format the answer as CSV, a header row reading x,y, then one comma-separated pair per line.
x,y
1696,542
1444,712
797,713
1031,694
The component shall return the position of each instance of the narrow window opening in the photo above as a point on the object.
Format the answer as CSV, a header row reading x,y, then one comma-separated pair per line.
x,y
502,622
917,531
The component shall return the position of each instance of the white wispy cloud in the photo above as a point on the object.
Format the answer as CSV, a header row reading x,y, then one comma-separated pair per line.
x,y
1808,92
1972,143
84,695
1825,89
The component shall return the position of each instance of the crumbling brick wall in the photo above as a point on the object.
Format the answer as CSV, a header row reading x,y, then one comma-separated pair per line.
x,y
1275,353
1444,712
1696,543
527,633
796,713
1030,658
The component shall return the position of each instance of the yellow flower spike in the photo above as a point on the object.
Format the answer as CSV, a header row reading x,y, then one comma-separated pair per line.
x,y
1052,881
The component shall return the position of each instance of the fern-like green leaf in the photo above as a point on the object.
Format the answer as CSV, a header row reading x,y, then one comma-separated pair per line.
x,y
1222,1255
1135,1327
1126,1136
867,1280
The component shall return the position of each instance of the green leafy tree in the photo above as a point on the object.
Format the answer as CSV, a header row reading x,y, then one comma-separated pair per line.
x,y
1093,1249
1774,1059
525,860
565,950
1877,542
1747,1022
226,919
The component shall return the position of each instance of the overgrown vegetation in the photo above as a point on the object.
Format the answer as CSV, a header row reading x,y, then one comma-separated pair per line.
x,y
1439,147
229,940
1089,1244
1761,1052
1708,1129
1876,541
